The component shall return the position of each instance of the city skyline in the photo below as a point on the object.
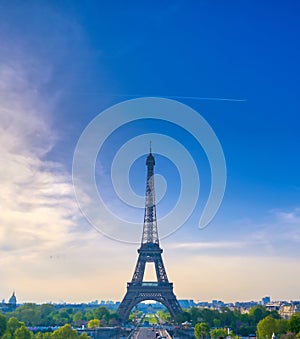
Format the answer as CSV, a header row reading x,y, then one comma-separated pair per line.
x,y
214,302
62,64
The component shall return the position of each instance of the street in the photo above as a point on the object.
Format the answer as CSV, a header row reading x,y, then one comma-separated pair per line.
x,y
151,333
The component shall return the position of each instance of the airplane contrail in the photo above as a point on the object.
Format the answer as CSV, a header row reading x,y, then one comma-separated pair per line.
x,y
181,97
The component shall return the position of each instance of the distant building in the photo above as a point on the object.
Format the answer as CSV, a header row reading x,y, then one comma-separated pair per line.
x,y
265,300
13,300
10,305
217,304
186,303
274,305
245,306
286,311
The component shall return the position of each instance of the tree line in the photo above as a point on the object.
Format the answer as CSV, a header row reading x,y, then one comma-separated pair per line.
x,y
15,329
14,325
283,328
259,322
242,324
207,323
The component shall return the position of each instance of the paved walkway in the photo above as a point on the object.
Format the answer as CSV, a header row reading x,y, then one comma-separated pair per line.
x,y
149,333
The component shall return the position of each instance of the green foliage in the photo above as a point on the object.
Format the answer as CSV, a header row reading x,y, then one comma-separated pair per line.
x,y
164,316
46,315
132,316
151,318
282,326
257,313
218,333
201,330
182,317
244,330
101,313
3,324
7,335
288,335
65,332
217,322
62,317
266,327
28,313
40,335
22,333
294,323
242,324
206,315
94,323
84,336
13,324
114,319
46,312
78,317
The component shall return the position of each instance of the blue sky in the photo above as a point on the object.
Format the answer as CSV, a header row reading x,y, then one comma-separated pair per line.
x,y
63,63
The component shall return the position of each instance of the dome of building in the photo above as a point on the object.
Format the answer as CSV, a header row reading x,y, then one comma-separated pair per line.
x,y
12,299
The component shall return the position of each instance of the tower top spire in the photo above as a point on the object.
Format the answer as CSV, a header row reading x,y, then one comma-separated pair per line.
x,y
150,233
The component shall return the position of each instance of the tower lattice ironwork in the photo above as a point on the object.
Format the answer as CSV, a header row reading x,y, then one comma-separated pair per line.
x,y
149,251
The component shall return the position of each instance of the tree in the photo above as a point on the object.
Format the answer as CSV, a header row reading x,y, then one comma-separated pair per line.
x,y
217,322
61,318
40,335
257,313
294,323
208,316
94,323
164,316
89,315
289,335
227,318
3,324
29,313
78,318
101,313
201,330
245,330
195,315
182,317
282,326
7,335
65,332
22,333
13,324
266,327
84,336
218,333
46,312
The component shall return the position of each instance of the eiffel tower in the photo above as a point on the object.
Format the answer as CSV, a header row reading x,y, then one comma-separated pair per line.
x,y
149,251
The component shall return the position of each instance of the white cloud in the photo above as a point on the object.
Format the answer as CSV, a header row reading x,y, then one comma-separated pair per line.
x,y
36,195
281,232
38,213
207,245
47,249
278,234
